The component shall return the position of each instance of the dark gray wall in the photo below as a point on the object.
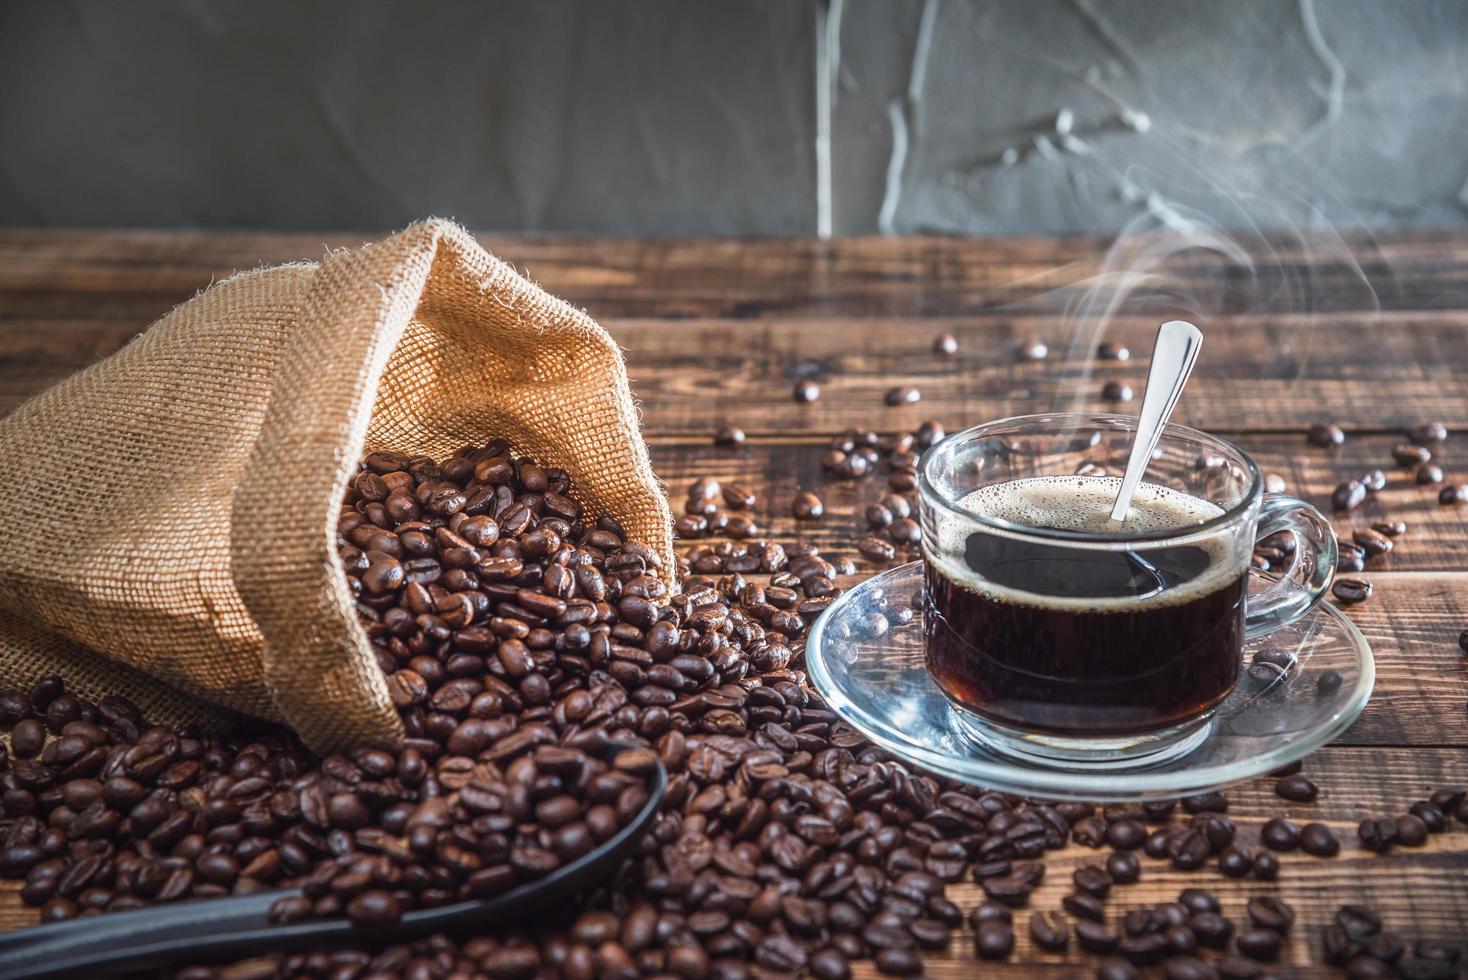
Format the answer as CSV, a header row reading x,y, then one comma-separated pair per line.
x,y
696,116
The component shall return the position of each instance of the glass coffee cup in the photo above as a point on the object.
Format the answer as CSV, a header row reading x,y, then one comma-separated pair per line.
x,y
1059,636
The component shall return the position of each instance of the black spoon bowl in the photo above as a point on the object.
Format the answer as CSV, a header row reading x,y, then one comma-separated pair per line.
x,y
238,926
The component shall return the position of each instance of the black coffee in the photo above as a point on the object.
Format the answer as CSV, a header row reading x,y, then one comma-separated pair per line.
x,y
1052,637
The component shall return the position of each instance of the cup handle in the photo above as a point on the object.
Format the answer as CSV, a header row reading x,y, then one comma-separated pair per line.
x,y
1310,572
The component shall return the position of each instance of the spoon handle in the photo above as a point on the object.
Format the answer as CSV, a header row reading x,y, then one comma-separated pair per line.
x,y
1173,355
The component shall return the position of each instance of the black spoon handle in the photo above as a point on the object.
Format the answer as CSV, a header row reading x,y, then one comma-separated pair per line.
x,y
218,928
132,939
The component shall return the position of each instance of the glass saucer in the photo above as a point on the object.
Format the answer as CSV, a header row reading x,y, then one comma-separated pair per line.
x,y
868,665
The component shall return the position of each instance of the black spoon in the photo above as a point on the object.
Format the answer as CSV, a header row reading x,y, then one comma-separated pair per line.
x,y
218,928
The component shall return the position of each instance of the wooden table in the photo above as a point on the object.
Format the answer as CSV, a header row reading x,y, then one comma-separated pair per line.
x,y
717,332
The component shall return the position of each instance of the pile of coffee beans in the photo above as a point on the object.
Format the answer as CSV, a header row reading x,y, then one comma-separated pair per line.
x,y
1357,942
503,624
519,640
719,510
1422,819
1415,455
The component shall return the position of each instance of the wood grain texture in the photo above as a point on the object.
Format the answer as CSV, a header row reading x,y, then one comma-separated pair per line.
x,y
1437,535
1371,374
919,276
1375,374
717,332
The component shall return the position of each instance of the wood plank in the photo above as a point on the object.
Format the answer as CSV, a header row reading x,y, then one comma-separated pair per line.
x,y
1367,373
1418,893
1253,373
860,315
49,272
1437,536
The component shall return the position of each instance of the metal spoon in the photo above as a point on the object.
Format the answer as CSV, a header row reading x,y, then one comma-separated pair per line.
x,y
1173,354
237,926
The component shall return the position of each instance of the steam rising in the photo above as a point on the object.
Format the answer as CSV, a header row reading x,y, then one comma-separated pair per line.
x,y
1175,261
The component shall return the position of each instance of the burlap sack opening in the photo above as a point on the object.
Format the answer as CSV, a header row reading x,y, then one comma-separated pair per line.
x,y
170,512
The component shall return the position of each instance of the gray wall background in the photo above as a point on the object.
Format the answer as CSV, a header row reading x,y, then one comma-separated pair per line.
x,y
736,117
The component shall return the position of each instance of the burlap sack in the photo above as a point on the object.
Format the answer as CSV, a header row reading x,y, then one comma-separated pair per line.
x,y
168,514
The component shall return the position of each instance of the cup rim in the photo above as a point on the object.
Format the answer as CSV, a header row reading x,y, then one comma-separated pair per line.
x,y
931,496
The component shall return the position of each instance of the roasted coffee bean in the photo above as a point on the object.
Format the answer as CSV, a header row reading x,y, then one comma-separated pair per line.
x,y
946,344
905,530
1374,542
1210,929
1408,454
1428,474
1188,968
1377,835
876,550
903,395
1411,831
1095,937
1269,912
1115,391
806,391
993,940
1238,968
1259,944
1266,866
1126,835
1143,950
1190,850
26,739
807,507
1115,968
1391,528
1319,840
1280,834
1373,481
1158,842
1092,880
1430,814
1089,831
1349,591
1298,788
1198,900
728,436
1084,906
1110,350
1453,493
988,911
1049,931
374,908
1235,862
737,497
1008,889
1123,867
1348,495
1428,433
1325,434
1328,682
1212,802
1358,921
826,963
1180,940
895,962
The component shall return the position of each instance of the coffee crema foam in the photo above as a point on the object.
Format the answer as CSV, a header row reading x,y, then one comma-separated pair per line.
x,y
1083,504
